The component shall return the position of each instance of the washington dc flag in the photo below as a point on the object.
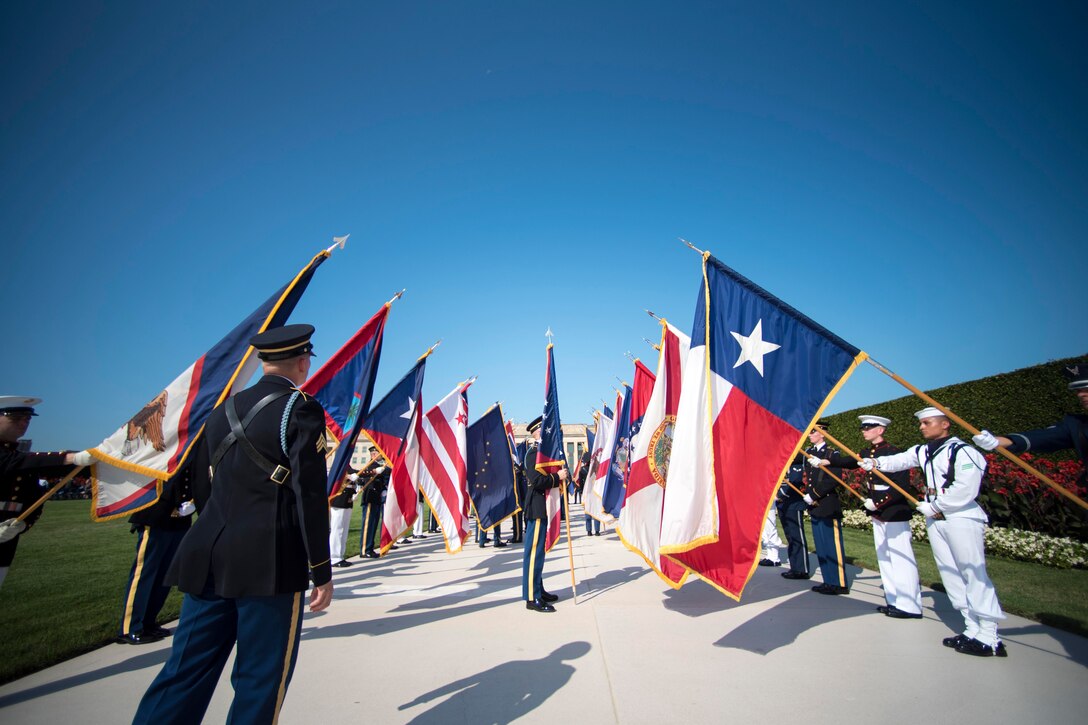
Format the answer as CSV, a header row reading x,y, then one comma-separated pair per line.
x,y
757,377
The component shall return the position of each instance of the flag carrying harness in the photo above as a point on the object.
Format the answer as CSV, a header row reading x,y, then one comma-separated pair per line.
x,y
237,434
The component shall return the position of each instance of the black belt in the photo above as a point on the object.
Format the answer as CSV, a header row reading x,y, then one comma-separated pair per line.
x,y
237,434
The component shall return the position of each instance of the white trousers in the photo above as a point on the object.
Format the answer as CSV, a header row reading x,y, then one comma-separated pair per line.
x,y
769,540
960,554
339,521
898,569
417,527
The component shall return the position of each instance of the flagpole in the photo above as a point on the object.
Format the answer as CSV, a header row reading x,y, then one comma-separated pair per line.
x,y
890,482
49,494
570,545
396,297
430,349
844,484
692,246
652,344
974,431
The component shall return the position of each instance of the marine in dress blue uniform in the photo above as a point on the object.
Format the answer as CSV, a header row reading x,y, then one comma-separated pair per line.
x,y
536,527
791,512
20,472
825,510
159,530
262,534
372,504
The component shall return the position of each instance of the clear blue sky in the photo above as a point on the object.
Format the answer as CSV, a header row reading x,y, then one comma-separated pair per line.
x,y
914,178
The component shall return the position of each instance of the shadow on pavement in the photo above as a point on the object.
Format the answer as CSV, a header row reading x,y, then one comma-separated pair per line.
x,y
390,625
503,693
139,662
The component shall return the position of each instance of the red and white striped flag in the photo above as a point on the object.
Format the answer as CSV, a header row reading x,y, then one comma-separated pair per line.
x,y
639,524
437,465
601,460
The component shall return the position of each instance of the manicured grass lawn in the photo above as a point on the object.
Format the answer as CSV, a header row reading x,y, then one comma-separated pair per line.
x,y
63,594
1057,597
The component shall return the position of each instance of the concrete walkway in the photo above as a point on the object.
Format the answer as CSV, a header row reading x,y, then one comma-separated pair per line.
x,y
424,637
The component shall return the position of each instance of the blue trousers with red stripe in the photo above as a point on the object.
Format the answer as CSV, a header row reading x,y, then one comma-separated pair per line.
x,y
827,537
266,630
145,593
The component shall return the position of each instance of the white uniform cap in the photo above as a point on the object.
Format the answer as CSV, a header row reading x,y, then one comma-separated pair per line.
x,y
18,402
929,412
873,420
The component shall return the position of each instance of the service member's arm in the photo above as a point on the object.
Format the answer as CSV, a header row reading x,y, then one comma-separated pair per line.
x,y
822,484
539,482
838,460
32,467
306,452
904,461
1057,437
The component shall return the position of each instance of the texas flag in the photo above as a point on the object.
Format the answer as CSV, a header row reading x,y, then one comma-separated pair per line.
x,y
345,386
393,426
640,520
133,462
757,377
437,465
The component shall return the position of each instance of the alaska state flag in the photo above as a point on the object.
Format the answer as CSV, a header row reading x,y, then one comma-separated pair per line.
x,y
133,462
757,377
491,482
344,386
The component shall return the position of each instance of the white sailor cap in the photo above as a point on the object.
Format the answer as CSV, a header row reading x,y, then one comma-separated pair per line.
x,y
871,420
18,404
929,412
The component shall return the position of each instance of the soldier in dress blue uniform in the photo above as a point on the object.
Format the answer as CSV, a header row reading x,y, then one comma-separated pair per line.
x,y
20,472
372,493
891,513
262,534
536,526
825,511
791,512
159,530
1070,432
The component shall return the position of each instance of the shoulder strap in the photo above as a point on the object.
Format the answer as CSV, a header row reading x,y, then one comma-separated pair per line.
x,y
950,474
237,432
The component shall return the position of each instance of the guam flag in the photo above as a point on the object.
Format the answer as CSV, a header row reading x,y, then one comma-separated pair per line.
x,y
551,456
133,462
344,386
757,376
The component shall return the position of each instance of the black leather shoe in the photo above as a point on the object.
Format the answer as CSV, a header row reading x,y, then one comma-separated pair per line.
x,y
794,575
976,648
372,555
768,562
157,631
143,638
832,589
895,613
342,564
539,606
954,642
406,540
392,547
883,608
549,597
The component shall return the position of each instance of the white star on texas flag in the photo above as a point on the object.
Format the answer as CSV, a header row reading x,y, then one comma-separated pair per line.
x,y
753,348
407,415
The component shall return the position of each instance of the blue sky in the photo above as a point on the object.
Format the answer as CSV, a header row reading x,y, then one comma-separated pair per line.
x,y
914,178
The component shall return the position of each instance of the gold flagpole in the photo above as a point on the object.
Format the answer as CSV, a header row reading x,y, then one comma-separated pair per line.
x,y
49,494
855,456
974,431
570,544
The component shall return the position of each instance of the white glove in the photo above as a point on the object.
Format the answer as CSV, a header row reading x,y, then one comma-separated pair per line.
x,y
986,440
187,508
867,464
83,458
869,505
10,529
353,477
927,509
809,500
814,461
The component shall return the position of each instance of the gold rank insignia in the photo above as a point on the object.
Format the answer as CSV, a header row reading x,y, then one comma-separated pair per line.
x,y
322,445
